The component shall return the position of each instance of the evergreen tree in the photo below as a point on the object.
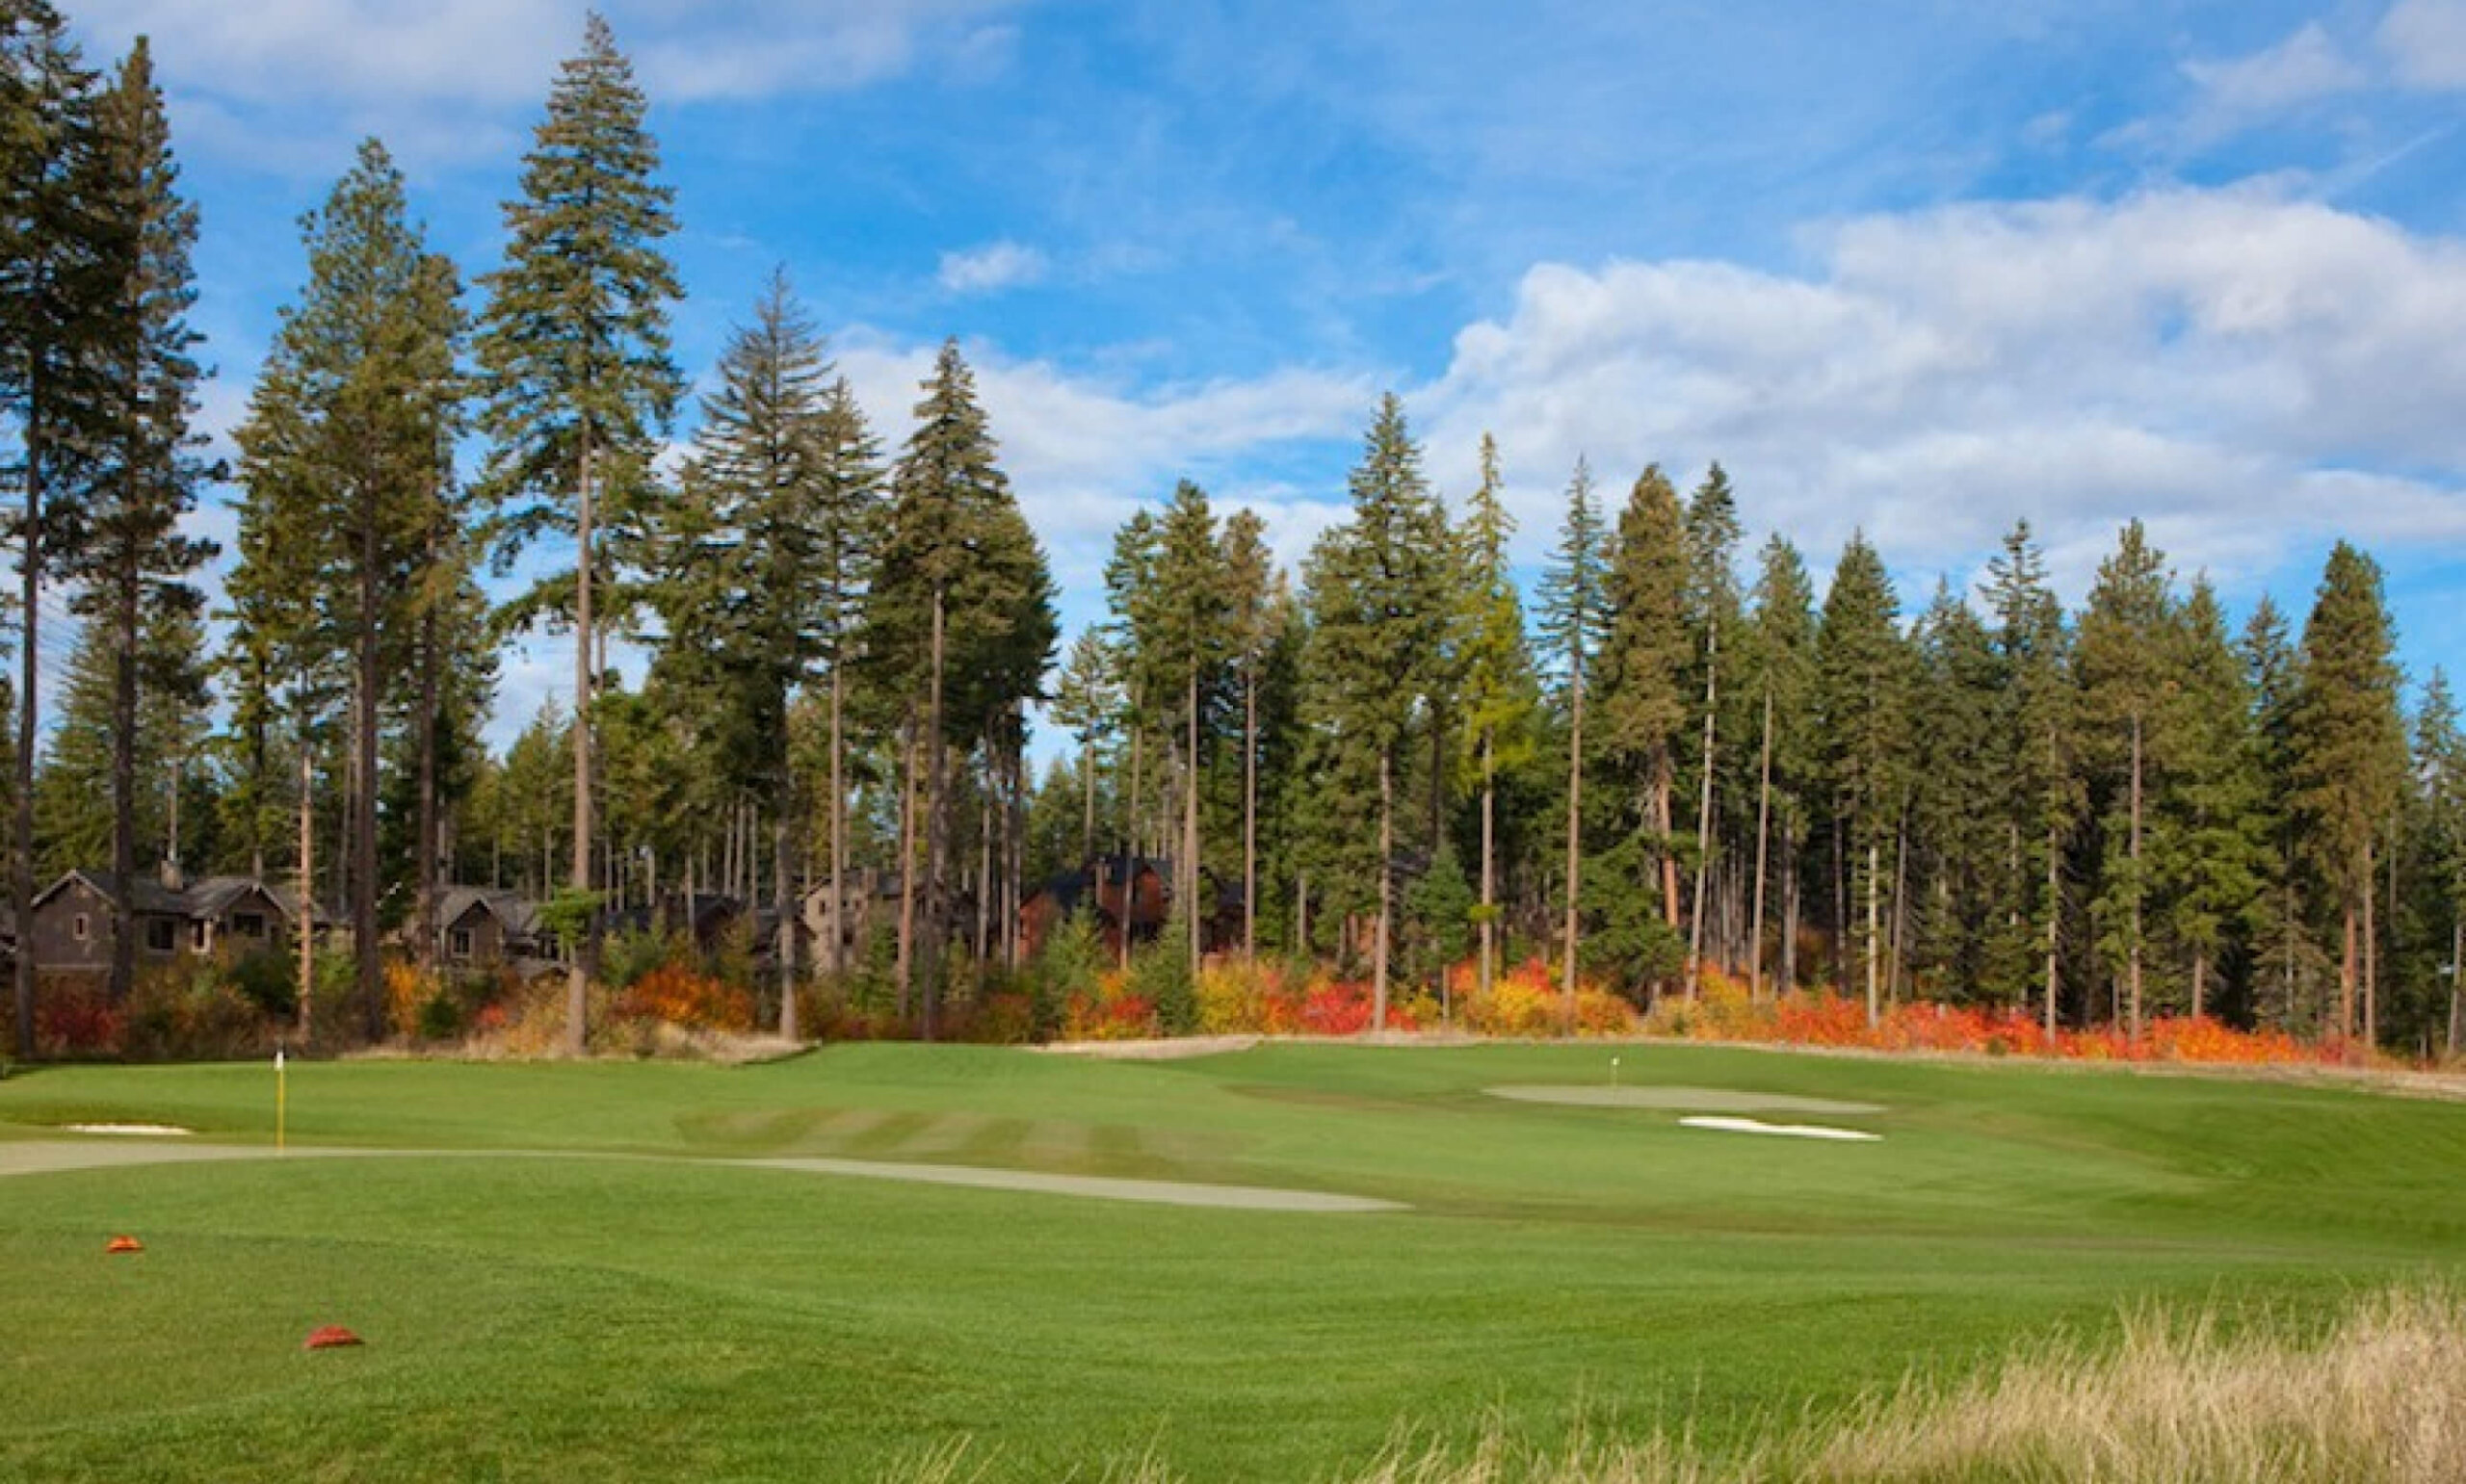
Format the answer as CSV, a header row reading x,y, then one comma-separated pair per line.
x,y
346,458
1712,533
2035,762
2210,860
132,561
2440,763
1643,706
1574,626
575,350
1085,703
2289,966
1250,593
56,312
1380,609
754,591
1180,629
79,818
1960,842
2348,746
960,618
1781,670
2122,663
1499,696
1861,701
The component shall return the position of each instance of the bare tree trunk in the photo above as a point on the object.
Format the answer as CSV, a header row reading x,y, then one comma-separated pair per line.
x,y
785,906
424,881
2347,964
1130,864
1791,894
2138,883
1763,840
1301,912
36,438
306,927
2054,918
1704,814
1192,912
2456,981
838,824
123,802
1662,785
586,950
2371,961
1087,787
984,877
936,825
1900,912
1874,1006
1489,857
1249,811
1575,840
2200,982
1386,880
364,725
908,870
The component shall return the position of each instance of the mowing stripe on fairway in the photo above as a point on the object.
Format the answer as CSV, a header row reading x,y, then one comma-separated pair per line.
x,y
40,1157
1687,1100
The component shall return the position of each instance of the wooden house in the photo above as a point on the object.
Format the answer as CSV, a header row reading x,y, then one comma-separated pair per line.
x,y
77,918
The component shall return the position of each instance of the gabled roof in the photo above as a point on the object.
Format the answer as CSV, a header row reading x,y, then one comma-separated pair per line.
x,y
208,896
516,914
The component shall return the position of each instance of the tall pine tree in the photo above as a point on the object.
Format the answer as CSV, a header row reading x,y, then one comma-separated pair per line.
x,y
574,352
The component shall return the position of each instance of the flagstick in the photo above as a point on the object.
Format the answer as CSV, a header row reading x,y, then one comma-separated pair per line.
x,y
280,1100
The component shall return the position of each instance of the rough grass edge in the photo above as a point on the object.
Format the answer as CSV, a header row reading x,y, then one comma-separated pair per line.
x,y
2375,1395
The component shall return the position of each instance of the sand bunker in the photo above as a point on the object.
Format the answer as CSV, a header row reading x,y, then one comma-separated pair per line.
x,y
1796,1131
132,1130
37,1156
1683,1099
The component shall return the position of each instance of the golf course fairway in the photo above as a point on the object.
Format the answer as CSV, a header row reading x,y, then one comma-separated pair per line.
x,y
617,1271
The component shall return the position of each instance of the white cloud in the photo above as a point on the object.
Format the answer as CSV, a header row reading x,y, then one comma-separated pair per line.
x,y
2426,43
991,267
438,77
2245,372
2304,67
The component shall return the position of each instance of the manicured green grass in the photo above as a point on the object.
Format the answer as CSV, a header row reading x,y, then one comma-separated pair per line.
x,y
614,1319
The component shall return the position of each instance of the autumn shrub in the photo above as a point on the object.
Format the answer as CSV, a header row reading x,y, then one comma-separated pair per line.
x,y
74,1019
838,1010
675,993
1110,1011
191,1011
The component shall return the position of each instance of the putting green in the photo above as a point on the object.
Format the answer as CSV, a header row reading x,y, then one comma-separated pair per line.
x,y
1683,1099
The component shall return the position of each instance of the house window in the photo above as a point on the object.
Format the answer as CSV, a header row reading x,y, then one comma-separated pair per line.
x,y
201,933
460,944
250,925
161,933
81,930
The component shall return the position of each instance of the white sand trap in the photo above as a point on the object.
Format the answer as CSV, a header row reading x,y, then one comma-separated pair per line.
x,y
41,1156
151,1131
1796,1130
1683,1099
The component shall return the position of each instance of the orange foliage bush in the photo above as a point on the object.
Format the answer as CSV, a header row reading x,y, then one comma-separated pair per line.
x,y
1724,1012
676,995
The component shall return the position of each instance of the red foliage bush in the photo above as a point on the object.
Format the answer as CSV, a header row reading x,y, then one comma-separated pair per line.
x,y
1819,1019
76,1019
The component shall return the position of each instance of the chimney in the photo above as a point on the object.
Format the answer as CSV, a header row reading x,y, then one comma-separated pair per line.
x,y
172,880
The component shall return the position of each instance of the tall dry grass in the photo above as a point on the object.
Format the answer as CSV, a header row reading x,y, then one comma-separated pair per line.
x,y
2376,1397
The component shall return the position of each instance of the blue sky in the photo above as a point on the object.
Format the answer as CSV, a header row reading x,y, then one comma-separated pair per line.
x,y
1914,266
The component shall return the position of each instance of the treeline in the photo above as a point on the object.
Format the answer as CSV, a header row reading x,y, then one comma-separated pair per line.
x,y
1680,759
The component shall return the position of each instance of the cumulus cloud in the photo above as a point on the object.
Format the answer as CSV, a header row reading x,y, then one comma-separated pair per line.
x,y
991,267
2244,371
2426,43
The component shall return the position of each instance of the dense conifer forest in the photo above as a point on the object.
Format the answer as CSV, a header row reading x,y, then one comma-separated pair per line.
x,y
1667,755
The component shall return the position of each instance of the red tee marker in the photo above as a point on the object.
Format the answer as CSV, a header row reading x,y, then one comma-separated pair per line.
x,y
331,1338
123,1244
